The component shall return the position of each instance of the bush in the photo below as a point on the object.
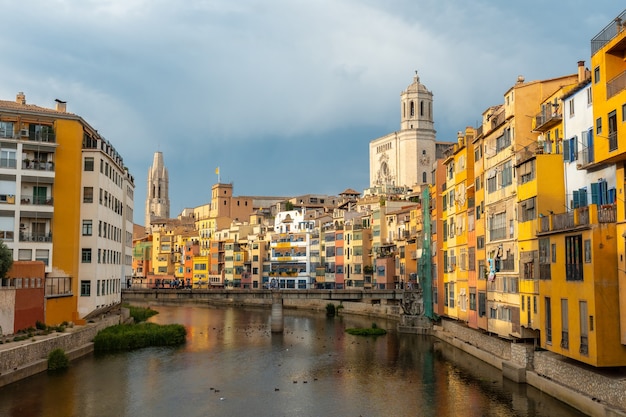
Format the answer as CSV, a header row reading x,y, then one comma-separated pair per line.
x,y
40,326
135,336
373,331
57,359
330,309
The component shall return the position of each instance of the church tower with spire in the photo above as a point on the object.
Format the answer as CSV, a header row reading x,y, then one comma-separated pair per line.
x,y
157,193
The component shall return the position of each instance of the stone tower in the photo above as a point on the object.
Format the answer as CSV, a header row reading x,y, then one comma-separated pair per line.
x,y
157,193
404,158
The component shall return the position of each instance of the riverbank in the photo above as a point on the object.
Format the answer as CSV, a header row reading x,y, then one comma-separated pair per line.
x,y
19,360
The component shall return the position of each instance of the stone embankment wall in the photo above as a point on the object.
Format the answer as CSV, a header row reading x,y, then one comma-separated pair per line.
x,y
589,390
22,359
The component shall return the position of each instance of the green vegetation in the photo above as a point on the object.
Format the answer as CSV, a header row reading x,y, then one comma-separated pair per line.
x,y
135,336
140,314
362,331
6,259
330,310
57,360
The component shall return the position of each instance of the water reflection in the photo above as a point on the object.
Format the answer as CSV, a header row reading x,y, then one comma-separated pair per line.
x,y
233,366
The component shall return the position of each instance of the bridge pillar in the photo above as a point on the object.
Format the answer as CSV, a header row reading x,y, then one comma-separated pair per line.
x,y
278,325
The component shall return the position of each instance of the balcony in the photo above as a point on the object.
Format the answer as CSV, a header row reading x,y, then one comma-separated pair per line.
x,y
617,84
580,217
548,118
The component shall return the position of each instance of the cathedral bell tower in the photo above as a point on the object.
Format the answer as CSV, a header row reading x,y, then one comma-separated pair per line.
x,y
416,106
157,192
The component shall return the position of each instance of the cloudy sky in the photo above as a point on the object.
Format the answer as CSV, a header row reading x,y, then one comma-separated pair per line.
x,y
283,95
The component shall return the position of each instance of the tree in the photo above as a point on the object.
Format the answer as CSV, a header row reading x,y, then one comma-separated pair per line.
x,y
288,206
6,259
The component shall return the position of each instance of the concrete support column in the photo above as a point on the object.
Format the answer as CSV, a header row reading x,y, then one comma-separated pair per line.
x,y
277,313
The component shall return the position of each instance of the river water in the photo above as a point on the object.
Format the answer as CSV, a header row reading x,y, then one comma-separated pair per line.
x,y
232,365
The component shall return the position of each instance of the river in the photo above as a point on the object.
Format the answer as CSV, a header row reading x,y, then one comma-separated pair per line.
x,y
232,365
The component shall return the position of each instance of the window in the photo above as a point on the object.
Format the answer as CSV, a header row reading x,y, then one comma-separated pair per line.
x,y
544,259
497,229
480,242
612,119
587,251
564,324
623,112
85,288
596,74
548,323
526,171
507,174
589,96
451,302
86,255
472,258
87,227
492,184
527,210
571,107
472,299
599,126
88,164
573,258
482,304
88,195
570,149
584,328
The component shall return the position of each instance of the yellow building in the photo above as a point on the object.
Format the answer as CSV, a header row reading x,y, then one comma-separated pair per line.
x,y
476,199
578,266
609,110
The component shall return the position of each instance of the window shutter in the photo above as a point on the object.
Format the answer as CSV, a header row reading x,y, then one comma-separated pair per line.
x,y
576,202
566,151
595,191
582,197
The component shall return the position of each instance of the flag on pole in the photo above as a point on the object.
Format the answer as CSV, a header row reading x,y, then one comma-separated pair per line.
x,y
217,171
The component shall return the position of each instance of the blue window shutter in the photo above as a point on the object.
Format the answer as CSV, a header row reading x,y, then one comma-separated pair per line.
x,y
566,154
576,202
574,149
595,193
604,198
611,195
582,197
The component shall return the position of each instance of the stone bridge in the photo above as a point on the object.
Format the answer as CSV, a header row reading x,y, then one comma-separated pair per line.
x,y
260,297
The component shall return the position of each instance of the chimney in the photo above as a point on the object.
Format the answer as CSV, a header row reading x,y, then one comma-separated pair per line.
x,y
20,98
61,105
581,71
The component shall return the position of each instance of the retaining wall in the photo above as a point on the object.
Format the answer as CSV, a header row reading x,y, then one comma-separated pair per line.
x,y
29,357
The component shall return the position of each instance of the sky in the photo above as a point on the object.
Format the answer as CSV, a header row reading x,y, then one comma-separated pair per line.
x,y
283,96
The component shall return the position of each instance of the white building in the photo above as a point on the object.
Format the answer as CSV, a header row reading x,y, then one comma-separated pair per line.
x,y
107,226
586,182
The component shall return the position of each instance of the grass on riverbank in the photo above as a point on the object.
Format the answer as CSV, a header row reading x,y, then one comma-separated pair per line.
x,y
140,314
363,331
136,336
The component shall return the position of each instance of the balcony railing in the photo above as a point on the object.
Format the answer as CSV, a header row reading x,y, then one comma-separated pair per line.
x,y
35,237
565,339
563,220
587,156
545,271
608,33
38,165
36,200
607,213
616,85
613,145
